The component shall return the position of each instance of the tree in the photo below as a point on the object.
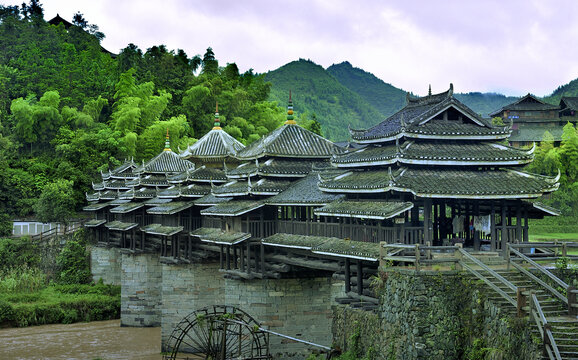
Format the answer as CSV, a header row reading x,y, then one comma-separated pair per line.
x,y
56,202
210,63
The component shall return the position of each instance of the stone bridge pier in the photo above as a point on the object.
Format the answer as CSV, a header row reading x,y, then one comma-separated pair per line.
x,y
157,294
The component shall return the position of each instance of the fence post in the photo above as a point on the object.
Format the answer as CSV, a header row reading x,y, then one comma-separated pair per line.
x,y
428,251
507,255
417,257
572,301
521,301
564,250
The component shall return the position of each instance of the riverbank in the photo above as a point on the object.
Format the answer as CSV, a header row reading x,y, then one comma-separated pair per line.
x,y
87,341
60,304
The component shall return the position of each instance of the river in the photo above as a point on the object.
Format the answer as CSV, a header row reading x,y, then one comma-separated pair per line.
x,y
83,341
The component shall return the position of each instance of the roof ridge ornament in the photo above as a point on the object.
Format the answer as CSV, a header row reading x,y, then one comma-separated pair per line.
x,y
217,124
451,90
167,142
290,120
531,151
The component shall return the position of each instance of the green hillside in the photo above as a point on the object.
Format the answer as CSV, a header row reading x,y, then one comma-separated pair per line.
x,y
315,91
570,89
387,99
485,103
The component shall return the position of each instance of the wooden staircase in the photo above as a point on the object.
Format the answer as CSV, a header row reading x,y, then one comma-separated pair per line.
x,y
523,292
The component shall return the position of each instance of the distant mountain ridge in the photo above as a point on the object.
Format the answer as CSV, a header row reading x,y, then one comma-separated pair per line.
x,y
343,95
316,91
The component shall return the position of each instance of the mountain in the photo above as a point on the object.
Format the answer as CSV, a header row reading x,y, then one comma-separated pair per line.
x,y
485,103
570,89
387,99
316,91
343,95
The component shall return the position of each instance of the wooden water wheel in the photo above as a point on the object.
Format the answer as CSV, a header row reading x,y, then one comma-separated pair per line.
x,y
218,332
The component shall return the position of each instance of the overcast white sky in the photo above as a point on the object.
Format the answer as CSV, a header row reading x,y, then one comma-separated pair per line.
x,y
513,47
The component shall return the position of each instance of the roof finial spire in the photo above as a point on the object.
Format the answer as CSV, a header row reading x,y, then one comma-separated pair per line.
x,y
217,125
429,91
290,120
167,142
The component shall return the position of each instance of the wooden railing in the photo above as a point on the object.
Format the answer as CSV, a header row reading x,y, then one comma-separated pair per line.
x,y
569,299
365,233
420,255
539,318
59,230
548,250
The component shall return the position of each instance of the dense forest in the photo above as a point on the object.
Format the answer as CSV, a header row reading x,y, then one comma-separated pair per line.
x,y
69,108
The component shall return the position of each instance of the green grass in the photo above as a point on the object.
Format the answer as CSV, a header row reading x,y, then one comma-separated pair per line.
x,y
55,304
570,237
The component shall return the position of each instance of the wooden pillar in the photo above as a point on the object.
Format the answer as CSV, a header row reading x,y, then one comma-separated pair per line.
x,y
526,228
235,263
493,228
347,276
436,223
519,236
263,260
476,232
248,257
504,228
467,227
427,220
228,257
242,256
221,264
359,278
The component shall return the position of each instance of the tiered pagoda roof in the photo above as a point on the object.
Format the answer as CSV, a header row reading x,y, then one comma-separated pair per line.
x,y
215,145
436,147
526,103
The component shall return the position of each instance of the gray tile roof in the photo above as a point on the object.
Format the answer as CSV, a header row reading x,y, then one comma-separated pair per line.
x,y
158,229
348,249
170,208
120,226
290,141
379,210
167,162
210,200
303,192
450,183
126,208
463,153
218,236
233,208
94,222
526,103
216,144
201,174
410,121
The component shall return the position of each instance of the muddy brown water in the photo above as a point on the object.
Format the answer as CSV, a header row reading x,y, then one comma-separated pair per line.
x,y
83,341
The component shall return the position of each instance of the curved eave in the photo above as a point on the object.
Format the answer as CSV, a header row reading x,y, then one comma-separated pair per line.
x,y
465,162
365,216
380,139
289,156
356,190
457,136
265,192
357,257
354,164
281,175
286,246
298,203
231,194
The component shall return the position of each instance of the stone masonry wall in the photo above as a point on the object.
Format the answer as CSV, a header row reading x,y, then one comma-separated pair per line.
x,y
186,288
299,308
434,315
105,264
141,280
